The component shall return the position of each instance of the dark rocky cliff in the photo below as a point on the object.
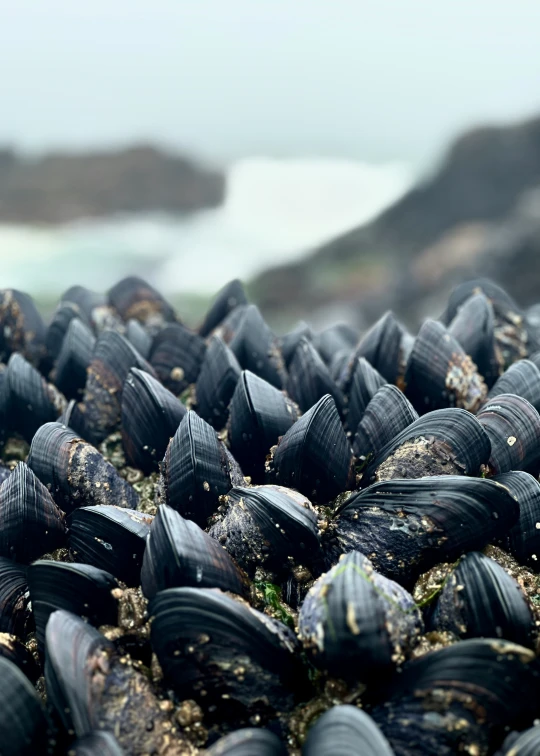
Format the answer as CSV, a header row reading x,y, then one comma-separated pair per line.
x,y
62,187
479,213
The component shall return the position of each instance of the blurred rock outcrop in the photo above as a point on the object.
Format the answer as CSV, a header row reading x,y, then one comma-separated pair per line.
x,y
62,187
478,215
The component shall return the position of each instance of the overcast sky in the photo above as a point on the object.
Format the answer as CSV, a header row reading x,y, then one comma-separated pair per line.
x,y
376,80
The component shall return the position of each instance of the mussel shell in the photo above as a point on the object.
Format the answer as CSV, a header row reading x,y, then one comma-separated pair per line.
x,y
13,649
343,731
32,401
268,526
501,301
288,343
259,415
137,335
247,742
335,339
150,416
73,359
30,522
230,325
75,652
309,379
479,599
388,413
525,743
178,553
110,538
132,297
98,743
357,624
111,362
75,472
78,588
440,374
23,724
383,346
365,382
196,470
513,427
474,328
176,355
216,382
15,617
442,698
57,329
314,456
521,378
523,538
443,442
85,301
405,527
21,327
256,348
233,660
231,296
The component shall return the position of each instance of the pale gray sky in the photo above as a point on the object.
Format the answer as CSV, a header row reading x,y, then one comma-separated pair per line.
x,y
377,80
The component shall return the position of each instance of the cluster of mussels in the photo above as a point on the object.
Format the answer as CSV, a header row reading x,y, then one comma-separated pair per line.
x,y
317,544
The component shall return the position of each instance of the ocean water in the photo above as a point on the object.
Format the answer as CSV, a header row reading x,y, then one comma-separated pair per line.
x,y
275,211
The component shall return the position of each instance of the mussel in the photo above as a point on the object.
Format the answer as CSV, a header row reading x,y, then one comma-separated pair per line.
x,y
176,356
523,538
474,328
309,379
231,296
314,456
134,298
356,624
513,427
73,359
23,723
216,383
343,731
21,327
521,378
15,615
387,414
256,348
150,416
364,384
247,742
98,743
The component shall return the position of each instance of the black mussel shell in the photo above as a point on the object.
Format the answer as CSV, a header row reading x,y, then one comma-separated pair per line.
x,y
231,296
31,400
309,379
150,416
523,539
98,743
94,688
230,325
357,624
460,699
256,348
4,404
215,385
480,599
85,301
314,456
57,329
78,588
196,470
364,384
15,651
407,526
443,442
345,731
23,724
21,327
73,359
5,472
523,379
234,661
30,522
111,362
138,335
513,427
440,374
289,341
75,472
388,413
176,356
474,328
501,301
179,553
525,743
248,742
335,339
132,297
268,526
259,415
385,347
15,617
110,538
